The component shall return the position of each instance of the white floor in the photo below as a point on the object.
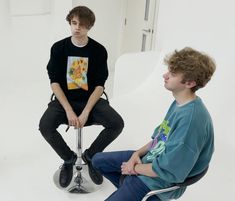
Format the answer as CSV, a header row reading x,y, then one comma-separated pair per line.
x,y
27,163
30,177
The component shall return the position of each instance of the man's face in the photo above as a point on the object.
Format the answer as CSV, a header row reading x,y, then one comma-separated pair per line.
x,y
78,30
173,81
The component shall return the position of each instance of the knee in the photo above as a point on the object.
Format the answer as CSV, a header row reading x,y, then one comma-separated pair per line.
x,y
97,160
121,125
118,125
41,127
44,128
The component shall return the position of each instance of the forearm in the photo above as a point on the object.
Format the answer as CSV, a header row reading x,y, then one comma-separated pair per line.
x,y
94,97
61,96
145,169
143,150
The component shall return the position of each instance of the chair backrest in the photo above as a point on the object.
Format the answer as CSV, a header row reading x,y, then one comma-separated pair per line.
x,y
191,180
52,97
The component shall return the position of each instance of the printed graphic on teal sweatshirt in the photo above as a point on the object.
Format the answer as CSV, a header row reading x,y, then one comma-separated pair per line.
x,y
158,143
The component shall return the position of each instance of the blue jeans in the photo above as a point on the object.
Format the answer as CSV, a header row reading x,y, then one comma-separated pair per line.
x,y
132,188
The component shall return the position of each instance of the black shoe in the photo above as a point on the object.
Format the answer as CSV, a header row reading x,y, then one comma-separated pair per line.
x,y
95,175
66,173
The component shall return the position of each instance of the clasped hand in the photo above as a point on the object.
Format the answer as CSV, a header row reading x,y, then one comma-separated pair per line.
x,y
128,168
74,120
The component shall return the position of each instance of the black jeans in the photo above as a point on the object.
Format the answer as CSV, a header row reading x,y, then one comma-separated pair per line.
x,y
102,114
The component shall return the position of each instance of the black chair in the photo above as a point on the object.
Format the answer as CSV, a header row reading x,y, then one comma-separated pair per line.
x,y
189,181
81,182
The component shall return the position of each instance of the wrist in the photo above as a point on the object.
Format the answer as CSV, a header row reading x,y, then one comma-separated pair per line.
x,y
68,110
135,168
136,153
86,112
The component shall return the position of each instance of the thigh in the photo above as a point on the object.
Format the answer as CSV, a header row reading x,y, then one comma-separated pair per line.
x,y
53,116
110,161
104,114
109,164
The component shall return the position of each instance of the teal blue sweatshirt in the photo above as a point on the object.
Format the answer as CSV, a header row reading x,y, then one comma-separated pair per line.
x,y
182,146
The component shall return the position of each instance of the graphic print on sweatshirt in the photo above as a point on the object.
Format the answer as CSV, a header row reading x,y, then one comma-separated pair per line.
x,y
77,68
158,143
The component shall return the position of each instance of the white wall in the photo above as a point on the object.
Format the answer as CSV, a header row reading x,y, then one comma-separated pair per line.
x,y
209,27
108,25
29,7
25,48
4,30
205,25
27,38
24,85
60,27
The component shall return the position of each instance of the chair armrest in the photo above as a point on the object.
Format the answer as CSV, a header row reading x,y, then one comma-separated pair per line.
x,y
156,192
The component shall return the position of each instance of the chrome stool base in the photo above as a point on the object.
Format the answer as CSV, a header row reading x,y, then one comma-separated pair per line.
x,y
81,182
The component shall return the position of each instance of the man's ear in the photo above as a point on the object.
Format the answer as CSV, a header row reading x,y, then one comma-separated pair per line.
x,y
190,84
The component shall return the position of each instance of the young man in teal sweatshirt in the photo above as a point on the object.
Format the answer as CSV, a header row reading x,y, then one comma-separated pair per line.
x,y
181,146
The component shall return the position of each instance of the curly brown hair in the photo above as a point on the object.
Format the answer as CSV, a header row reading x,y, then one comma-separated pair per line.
x,y
194,65
85,15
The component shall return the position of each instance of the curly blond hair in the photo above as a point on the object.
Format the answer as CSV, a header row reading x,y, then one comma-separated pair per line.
x,y
85,15
194,65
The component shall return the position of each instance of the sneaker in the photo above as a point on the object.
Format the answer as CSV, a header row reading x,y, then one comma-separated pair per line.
x,y
66,172
95,175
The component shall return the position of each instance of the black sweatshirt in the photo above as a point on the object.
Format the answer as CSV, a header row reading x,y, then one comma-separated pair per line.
x,y
78,70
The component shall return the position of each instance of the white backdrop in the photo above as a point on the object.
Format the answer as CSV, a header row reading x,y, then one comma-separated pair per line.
x,y
108,27
207,26
24,87
25,48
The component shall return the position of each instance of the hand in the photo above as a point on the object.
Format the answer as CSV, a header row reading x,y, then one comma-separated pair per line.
x,y
128,167
72,118
127,170
83,117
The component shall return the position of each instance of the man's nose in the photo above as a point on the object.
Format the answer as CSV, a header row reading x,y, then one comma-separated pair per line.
x,y
165,75
78,26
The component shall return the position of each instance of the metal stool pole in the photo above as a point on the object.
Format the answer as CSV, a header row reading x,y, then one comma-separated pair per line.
x,y
79,184
79,146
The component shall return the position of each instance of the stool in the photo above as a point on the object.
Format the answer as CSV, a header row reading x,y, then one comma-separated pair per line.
x,y
81,182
